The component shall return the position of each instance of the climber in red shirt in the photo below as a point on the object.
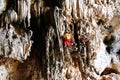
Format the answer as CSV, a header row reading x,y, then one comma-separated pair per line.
x,y
67,40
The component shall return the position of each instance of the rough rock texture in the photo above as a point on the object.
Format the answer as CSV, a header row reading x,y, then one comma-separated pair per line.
x,y
36,28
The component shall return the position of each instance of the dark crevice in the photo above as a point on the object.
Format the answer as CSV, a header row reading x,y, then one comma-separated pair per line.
x,y
53,3
39,44
101,21
118,52
108,49
108,40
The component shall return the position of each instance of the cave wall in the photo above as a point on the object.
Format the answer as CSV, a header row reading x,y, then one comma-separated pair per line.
x,y
32,39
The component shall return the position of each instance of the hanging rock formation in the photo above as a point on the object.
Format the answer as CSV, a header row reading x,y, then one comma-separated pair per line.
x,y
59,40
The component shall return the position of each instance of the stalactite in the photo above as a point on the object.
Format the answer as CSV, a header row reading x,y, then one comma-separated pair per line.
x,y
10,16
24,11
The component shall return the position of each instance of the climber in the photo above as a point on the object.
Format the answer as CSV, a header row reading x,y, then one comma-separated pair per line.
x,y
67,40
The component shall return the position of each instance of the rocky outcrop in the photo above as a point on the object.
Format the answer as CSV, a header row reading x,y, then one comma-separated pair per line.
x,y
32,40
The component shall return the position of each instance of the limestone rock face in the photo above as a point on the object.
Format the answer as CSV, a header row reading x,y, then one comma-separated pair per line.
x,y
33,45
15,38
15,41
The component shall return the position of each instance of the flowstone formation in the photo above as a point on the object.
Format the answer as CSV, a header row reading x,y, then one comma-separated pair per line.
x,y
59,39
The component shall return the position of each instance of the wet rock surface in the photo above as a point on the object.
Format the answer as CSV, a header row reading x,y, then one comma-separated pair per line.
x,y
59,40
